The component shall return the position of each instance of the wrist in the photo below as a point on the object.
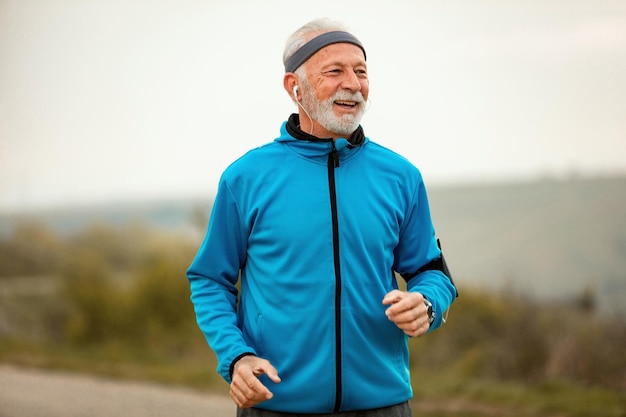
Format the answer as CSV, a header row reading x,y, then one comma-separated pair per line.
x,y
231,369
430,311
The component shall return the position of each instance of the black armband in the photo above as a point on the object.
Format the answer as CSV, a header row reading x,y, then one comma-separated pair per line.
x,y
438,264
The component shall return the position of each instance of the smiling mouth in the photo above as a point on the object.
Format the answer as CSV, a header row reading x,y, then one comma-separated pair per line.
x,y
346,103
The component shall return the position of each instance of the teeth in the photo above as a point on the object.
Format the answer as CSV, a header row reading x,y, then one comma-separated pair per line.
x,y
346,103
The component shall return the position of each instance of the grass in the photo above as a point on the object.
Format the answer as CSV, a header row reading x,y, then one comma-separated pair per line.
x,y
116,361
449,395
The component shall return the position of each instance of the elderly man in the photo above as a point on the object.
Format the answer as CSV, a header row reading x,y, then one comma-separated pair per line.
x,y
316,225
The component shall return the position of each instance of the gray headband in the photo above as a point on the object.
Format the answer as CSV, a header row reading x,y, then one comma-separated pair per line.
x,y
311,47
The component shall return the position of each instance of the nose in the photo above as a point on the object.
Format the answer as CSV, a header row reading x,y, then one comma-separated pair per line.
x,y
351,82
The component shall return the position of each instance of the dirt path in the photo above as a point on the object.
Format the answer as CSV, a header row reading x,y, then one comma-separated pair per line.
x,y
36,393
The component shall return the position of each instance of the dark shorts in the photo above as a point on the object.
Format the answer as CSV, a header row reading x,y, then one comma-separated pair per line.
x,y
400,410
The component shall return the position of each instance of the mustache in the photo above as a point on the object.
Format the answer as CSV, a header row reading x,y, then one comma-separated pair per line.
x,y
348,96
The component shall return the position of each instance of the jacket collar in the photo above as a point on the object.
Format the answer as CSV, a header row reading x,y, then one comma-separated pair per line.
x,y
293,128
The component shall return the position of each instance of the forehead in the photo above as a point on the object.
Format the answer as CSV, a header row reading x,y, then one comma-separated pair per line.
x,y
337,53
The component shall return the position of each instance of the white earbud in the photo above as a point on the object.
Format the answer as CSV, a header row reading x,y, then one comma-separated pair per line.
x,y
295,97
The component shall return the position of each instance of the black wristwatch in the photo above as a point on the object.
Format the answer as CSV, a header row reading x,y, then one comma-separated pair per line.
x,y
431,312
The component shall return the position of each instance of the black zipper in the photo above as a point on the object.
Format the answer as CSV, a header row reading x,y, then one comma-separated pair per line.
x,y
333,162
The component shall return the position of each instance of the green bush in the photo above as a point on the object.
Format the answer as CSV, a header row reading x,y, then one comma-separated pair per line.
x,y
507,337
122,249
159,300
586,348
148,303
31,249
96,308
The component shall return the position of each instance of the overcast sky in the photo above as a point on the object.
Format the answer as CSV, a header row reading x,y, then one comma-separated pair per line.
x,y
105,100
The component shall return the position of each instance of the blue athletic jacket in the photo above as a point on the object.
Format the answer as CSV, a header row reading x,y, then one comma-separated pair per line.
x,y
316,229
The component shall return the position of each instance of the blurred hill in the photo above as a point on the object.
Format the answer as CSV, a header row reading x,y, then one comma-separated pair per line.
x,y
167,215
549,239
554,240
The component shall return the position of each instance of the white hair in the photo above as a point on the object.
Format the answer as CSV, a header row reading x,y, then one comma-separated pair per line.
x,y
303,35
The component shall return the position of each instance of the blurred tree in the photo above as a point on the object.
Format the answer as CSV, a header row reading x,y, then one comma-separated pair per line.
x,y
119,248
160,298
31,249
96,309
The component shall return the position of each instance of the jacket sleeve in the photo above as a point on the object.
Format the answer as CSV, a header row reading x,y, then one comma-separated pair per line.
x,y
418,247
213,276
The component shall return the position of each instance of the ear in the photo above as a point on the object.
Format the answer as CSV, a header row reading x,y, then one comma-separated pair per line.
x,y
289,82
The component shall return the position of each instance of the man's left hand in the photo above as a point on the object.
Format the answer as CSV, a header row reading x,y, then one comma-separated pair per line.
x,y
407,311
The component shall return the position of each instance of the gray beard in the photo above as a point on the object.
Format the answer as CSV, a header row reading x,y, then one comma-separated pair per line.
x,y
322,112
